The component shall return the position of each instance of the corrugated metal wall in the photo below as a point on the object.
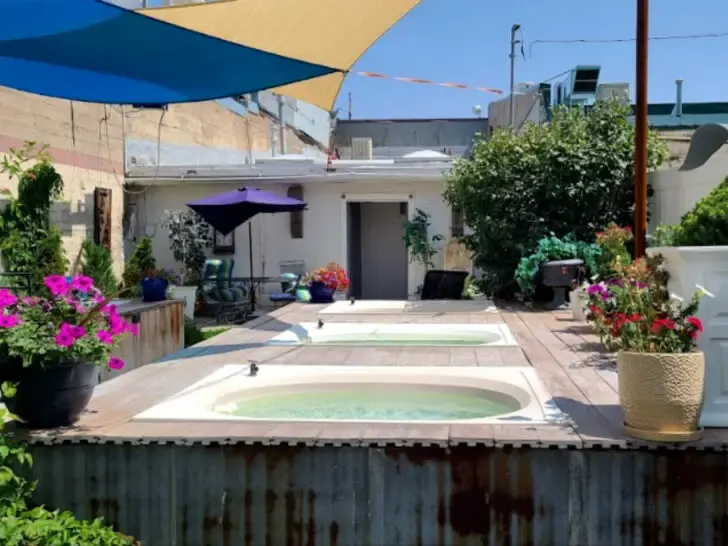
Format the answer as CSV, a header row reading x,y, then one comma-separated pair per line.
x,y
169,495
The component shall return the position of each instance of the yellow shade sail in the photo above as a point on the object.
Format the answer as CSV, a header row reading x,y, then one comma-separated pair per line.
x,y
332,33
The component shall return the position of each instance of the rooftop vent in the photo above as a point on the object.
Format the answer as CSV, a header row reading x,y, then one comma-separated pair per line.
x,y
361,148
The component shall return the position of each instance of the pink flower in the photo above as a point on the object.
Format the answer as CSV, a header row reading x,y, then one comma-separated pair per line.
x,y
82,283
30,300
116,363
118,325
64,339
105,337
99,298
134,329
7,298
9,321
57,284
78,332
109,310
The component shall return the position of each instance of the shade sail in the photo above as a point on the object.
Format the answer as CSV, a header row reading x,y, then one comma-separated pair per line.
x,y
88,50
226,211
323,32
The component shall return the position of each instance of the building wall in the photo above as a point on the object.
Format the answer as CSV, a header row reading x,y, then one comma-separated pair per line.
x,y
527,109
86,143
323,236
396,138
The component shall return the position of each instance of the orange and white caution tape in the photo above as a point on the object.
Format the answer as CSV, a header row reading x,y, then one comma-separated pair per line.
x,y
429,82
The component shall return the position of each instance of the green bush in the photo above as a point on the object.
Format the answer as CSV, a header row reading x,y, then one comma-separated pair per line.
x,y
707,223
142,261
98,264
572,175
28,241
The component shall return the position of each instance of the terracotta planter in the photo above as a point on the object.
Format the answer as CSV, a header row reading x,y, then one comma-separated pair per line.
x,y
662,395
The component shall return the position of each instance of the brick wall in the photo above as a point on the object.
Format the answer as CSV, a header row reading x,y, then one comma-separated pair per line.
x,y
207,124
86,143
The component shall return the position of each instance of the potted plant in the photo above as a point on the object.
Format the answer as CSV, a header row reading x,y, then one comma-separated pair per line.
x,y
141,263
324,282
696,255
155,284
661,373
52,346
421,246
189,238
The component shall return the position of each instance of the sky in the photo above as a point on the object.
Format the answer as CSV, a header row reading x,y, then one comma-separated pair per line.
x,y
467,41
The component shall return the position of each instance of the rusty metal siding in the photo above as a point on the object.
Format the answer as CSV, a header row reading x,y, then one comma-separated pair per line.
x,y
176,495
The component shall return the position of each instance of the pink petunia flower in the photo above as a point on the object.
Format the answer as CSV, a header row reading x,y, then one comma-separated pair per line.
x,y
105,337
7,298
9,321
134,329
78,332
118,325
64,339
82,283
57,284
116,363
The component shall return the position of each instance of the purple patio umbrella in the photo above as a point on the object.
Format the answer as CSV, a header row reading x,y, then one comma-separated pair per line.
x,y
226,211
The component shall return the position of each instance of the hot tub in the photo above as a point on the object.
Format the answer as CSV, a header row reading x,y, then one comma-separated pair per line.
x,y
416,335
363,394
399,307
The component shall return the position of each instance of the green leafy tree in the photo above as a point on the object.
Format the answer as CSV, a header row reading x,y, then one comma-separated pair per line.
x,y
707,223
572,175
189,238
142,261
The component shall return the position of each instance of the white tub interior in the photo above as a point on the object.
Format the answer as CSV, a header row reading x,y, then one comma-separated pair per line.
x,y
399,307
396,335
208,399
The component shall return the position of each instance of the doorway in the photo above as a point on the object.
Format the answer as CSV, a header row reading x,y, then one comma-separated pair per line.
x,y
378,260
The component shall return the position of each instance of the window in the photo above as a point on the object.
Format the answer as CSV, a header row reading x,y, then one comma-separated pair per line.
x,y
457,224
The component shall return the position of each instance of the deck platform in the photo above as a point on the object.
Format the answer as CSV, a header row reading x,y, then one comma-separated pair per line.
x,y
580,377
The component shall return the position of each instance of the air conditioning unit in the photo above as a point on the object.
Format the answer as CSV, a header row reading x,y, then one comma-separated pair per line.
x,y
619,91
361,148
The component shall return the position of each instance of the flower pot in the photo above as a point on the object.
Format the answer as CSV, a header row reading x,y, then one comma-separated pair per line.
x,y
154,290
320,293
49,397
578,299
189,294
688,267
661,395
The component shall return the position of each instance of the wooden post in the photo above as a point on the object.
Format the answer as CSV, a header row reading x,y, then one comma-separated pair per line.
x,y
640,133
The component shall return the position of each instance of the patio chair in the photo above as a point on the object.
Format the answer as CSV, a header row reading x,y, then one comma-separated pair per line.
x,y
230,302
443,285
288,295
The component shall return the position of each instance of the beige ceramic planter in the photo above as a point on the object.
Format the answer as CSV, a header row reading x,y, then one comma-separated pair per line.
x,y
662,395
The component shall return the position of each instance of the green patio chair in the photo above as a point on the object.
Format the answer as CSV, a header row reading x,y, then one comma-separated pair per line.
x,y
230,302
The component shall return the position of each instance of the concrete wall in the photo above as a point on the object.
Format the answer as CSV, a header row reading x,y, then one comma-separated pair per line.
x,y
86,143
528,109
324,234
396,138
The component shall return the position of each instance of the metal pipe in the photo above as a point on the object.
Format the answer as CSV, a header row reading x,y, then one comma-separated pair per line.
x,y
679,97
281,127
512,103
640,134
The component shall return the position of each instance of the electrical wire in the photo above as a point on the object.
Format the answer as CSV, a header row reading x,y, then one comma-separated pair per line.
x,y
703,36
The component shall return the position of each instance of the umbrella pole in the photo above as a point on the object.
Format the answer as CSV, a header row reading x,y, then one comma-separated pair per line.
x,y
250,257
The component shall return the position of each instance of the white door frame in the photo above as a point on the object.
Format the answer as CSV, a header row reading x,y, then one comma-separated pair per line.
x,y
347,198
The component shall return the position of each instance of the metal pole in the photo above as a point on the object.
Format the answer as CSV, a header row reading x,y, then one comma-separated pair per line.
x,y
512,103
640,133
281,127
349,104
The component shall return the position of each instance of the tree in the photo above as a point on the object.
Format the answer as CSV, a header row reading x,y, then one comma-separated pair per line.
x,y
189,238
572,175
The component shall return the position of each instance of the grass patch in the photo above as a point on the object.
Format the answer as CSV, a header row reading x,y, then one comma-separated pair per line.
x,y
194,334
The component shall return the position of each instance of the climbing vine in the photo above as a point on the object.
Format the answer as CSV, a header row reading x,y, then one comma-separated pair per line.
x,y
418,240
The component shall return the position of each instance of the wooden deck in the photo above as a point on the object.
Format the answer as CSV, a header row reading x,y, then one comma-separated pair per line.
x,y
568,358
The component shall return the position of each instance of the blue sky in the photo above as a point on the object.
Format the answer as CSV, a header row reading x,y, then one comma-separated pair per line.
x,y
467,41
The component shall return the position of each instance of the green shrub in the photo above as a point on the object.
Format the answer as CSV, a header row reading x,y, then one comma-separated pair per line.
x,y
707,223
572,175
98,264
142,260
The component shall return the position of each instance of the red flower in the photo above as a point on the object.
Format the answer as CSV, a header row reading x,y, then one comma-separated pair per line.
x,y
695,323
665,323
635,317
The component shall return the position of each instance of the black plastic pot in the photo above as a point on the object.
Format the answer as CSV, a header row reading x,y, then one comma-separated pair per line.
x,y
49,397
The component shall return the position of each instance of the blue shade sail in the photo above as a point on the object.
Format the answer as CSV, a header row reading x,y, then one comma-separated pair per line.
x,y
91,51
